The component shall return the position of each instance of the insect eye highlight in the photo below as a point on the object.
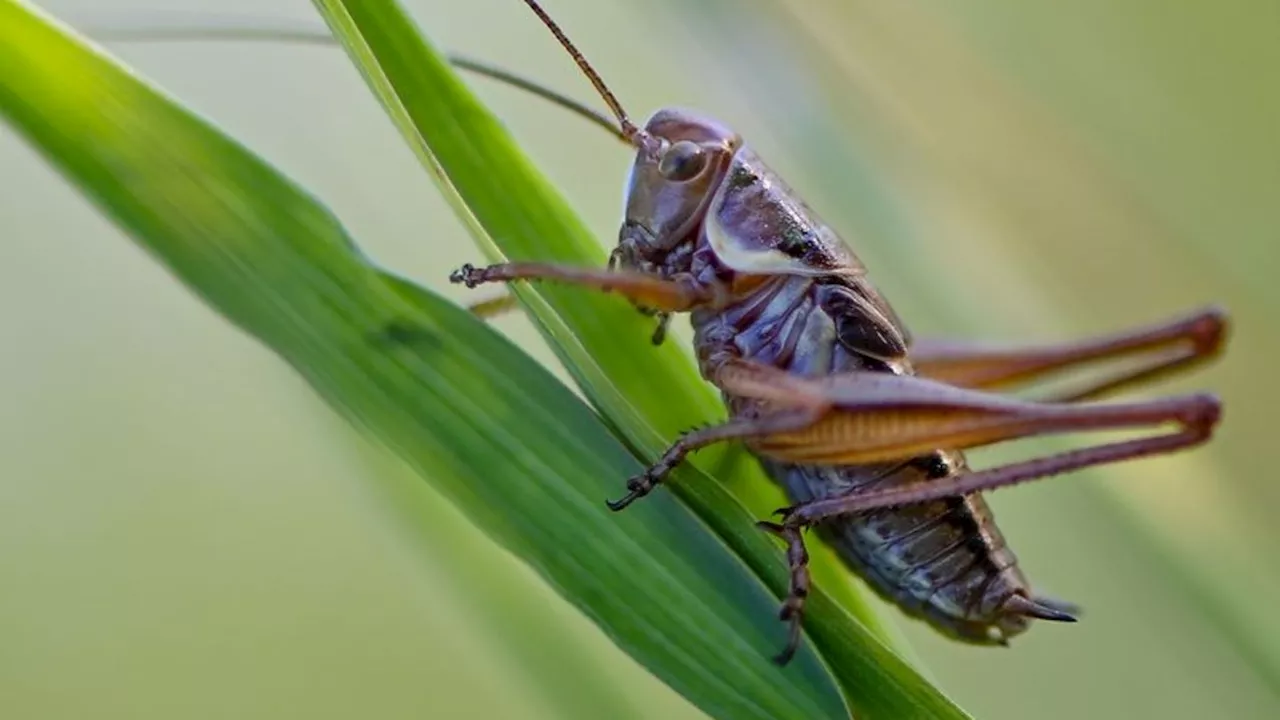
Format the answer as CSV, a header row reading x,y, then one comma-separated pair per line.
x,y
682,161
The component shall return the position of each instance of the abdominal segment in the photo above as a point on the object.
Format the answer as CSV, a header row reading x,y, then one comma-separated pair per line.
x,y
944,561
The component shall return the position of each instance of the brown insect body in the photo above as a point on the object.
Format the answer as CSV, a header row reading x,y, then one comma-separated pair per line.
x,y
820,379
862,427
810,311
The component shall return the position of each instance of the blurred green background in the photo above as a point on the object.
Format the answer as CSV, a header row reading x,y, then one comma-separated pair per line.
x,y
186,532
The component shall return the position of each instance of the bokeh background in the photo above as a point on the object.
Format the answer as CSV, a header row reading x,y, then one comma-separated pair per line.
x,y
186,532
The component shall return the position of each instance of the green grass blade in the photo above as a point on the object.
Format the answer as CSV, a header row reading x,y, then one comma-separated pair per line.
x,y
447,394
514,213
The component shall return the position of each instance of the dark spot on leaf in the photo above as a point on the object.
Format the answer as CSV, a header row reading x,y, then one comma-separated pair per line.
x,y
404,332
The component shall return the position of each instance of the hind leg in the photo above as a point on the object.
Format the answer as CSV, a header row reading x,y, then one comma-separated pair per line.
x,y
1155,352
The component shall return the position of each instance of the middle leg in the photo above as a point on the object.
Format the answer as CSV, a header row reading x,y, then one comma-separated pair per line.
x,y
735,429
792,611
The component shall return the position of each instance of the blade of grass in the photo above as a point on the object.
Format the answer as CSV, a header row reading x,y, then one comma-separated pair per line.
x,y
514,213
420,375
523,641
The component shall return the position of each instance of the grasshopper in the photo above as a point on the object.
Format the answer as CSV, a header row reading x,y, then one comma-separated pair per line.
x,y
863,426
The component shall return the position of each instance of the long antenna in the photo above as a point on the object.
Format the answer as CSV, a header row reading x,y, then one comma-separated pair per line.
x,y
630,132
260,30
573,106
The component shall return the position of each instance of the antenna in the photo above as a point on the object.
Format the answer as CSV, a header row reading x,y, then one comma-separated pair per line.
x,y
529,86
223,28
630,132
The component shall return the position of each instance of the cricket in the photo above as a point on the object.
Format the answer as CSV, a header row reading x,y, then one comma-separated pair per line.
x,y
863,426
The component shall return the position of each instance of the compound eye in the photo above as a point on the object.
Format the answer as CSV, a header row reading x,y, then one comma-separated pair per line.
x,y
682,161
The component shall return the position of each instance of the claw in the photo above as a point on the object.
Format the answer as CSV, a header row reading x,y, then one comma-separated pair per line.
x,y
770,527
465,275
616,505
793,644
637,488
784,657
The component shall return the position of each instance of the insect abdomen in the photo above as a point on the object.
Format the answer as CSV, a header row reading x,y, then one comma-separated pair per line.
x,y
945,561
